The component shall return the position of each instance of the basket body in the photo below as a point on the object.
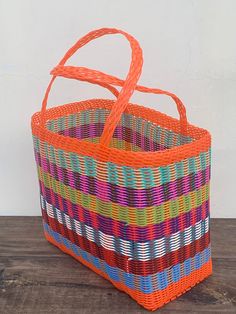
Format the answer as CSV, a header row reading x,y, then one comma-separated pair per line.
x,y
125,189
138,215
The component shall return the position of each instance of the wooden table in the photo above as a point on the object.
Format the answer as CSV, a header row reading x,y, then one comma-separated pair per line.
x,y
35,277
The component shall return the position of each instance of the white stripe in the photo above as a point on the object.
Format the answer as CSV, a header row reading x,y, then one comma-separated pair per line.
x,y
175,241
89,233
78,227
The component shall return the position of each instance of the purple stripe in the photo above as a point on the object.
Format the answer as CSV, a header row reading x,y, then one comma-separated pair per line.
x,y
121,133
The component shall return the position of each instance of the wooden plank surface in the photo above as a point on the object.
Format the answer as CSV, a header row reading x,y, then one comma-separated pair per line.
x,y
35,277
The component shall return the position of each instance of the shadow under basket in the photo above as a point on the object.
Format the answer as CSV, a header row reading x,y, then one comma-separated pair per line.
x,y
125,189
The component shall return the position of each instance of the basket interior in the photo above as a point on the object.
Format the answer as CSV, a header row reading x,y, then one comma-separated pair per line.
x,y
132,133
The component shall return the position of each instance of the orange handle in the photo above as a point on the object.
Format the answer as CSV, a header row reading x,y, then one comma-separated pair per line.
x,y
81,73
128,86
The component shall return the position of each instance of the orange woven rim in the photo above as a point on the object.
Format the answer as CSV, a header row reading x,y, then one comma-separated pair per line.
x,y
130,158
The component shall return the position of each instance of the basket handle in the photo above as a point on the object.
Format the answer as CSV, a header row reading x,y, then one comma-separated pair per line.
x,y
128,86
94,76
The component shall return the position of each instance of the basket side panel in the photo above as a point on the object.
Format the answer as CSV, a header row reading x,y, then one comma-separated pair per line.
x,y
145,229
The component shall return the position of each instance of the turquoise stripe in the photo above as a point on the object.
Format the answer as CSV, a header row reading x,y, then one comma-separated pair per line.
x,y
62,160
90,166
165,174
179,169
112,173
129,176
61,123
74,162
147,177
72,120
191,165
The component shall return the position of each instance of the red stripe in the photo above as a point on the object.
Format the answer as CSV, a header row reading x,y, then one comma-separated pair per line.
x,y
115,259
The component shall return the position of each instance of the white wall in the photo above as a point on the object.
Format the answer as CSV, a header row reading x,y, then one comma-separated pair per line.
x,y
189,48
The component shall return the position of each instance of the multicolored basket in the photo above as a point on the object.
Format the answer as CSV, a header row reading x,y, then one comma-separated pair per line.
x,y
125,189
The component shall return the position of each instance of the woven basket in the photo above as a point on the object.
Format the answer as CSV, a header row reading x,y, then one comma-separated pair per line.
x,y
125,189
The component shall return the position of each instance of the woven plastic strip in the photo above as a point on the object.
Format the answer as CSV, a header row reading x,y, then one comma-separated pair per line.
x,y
124,189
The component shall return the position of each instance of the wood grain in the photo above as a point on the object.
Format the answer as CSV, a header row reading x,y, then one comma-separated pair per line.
x,y
35,277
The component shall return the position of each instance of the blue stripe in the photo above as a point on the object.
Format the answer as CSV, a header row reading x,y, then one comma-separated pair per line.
x,y
187,267
176,273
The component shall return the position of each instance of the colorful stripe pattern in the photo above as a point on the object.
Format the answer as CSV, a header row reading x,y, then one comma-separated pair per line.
x,y
144,229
